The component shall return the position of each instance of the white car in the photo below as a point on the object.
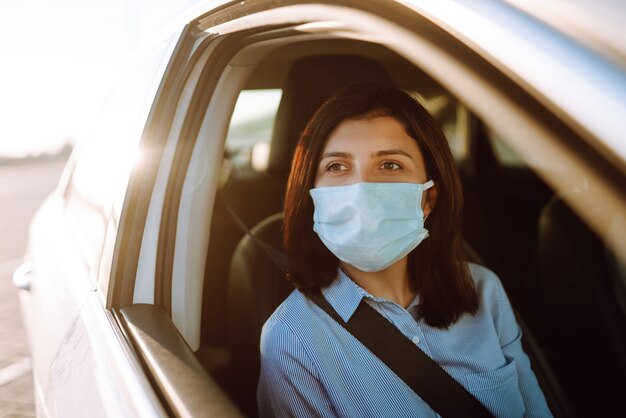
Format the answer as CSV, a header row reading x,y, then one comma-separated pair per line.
x,y
142,291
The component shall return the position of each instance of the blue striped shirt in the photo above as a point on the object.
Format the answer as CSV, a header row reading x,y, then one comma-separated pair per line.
x,y
312,367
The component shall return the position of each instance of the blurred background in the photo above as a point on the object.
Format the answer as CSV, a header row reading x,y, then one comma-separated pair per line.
x,y
59,57
58,60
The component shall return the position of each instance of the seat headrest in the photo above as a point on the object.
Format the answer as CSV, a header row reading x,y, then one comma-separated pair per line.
x,y
310,82
562,238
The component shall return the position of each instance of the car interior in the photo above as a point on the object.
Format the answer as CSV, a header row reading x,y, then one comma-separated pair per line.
x,y
560,278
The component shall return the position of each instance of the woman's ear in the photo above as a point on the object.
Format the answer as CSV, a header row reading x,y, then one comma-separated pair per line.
x,y
431,200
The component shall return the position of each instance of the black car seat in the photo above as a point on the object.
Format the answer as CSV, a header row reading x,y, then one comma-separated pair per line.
x,y
575,315
256,287
252,196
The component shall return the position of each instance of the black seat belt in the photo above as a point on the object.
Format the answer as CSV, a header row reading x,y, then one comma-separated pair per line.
x,y
421,373
276,255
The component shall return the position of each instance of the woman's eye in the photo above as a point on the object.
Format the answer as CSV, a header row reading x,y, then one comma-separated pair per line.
x,y
335,167
388,165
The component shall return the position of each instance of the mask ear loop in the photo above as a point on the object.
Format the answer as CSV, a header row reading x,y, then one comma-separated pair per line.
x,y
425,187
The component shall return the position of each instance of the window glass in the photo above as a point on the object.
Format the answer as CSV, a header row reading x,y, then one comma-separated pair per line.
x,y
250,130
504,154
106,155
455,128
453,119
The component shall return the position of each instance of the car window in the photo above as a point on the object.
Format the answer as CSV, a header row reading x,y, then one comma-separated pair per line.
x,y
504,154
106,155
453,118
250,130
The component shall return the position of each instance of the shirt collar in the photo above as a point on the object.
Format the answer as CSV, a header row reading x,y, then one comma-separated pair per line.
x,y
344,295
412,308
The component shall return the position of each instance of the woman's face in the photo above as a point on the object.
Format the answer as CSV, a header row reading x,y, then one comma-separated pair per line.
x,y
373,150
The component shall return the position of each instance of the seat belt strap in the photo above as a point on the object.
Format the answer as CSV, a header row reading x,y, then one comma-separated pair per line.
x,y
421,373
277,256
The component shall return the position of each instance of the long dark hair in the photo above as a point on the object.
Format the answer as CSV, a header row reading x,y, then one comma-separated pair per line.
x,y
437,267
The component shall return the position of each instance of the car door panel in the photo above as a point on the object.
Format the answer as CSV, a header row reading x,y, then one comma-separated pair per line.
x,y
77,349
55,290
184,384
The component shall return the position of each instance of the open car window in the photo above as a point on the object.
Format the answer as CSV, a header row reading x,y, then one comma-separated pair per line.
x,y
505,155
454,120
250,131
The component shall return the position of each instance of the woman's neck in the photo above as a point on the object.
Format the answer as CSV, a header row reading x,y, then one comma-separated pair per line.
x,y
392,283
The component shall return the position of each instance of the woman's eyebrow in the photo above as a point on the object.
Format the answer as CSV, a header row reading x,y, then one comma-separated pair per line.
x,y
336,154
393,151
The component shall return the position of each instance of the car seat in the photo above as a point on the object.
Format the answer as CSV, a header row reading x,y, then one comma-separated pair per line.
x,y
256,287
575,315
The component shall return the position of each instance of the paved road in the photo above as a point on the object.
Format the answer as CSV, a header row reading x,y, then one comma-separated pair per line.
x,y
23,188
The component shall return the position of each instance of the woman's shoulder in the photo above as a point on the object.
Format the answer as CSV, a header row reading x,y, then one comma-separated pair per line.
x,y
492,298
487,282
290,315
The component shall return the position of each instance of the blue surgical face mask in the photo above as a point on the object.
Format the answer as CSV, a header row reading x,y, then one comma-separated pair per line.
x,y
370,225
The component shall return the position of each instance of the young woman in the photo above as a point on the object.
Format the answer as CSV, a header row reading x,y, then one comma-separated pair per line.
x,y
372,212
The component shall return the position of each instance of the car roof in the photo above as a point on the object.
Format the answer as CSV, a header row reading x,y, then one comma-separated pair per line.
x,y
581,78
583,87
599,24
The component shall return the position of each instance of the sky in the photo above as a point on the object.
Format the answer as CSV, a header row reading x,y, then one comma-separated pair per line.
x,y
58,59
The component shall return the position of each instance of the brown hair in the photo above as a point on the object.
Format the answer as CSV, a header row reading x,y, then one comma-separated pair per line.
x,y
437,267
